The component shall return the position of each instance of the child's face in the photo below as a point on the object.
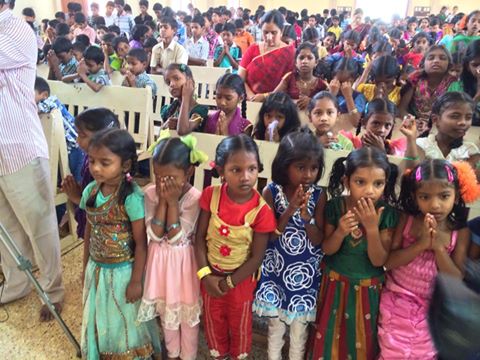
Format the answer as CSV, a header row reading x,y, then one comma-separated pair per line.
x,y
105,166
215,18
323,116
122,50
166,31
305,61
158,13
178,175
455,70
175,80
473,25
239,31
312,22
270,116
93,67
94,10
143,9
119,9
196,29
454,121
335,22
136,66
240,173
380,124
349,44
78,54
412,27
388,82
474,67
83,138
435,197
424,24
100,33
207,23
110,10
436,62
303,172
65,56
109,46
436,28
366,182
39,96
421,45
81,25
227,99
227,37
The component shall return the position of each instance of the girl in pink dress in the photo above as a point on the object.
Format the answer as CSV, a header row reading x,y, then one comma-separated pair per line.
x,y
172,289
431,237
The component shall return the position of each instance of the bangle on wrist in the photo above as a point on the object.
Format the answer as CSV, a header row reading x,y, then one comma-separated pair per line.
x,y
229,282
414,158
173,226
157,222
354,111
203,272
278,232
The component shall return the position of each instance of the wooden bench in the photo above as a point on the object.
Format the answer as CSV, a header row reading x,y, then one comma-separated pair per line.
x,y
52,124
132,106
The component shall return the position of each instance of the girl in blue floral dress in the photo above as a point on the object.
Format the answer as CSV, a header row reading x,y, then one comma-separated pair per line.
x,y
287,291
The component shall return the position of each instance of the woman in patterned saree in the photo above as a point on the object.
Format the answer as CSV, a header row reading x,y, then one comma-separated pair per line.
x,y
264,64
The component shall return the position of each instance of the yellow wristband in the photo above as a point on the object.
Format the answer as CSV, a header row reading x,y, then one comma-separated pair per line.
x,y
229,281
354,111
203,272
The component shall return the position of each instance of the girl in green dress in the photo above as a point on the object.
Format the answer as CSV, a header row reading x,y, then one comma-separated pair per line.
x,y
358,231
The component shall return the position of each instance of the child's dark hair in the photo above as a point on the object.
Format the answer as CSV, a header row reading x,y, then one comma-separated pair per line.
x,y
364,157
172,151
228,27
150,43
117,41
96,119
28,11
79,18
84,39
62,29
282,103
431,169
309,34
94,53
139,54
385,66
421,35
60,15
296,146
61,45
347,64
198,19
235,82
319,96
139,31
170,21
108,38
41,85
79,46
382,46
351,35
288,31
114,29
230,145
469,80
122,144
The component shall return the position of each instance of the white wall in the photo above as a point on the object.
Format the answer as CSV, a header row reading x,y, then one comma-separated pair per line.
x,y
44,9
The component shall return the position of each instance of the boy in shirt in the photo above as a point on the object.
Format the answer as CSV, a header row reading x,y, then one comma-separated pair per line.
x,y
335,28
197,46
110,17
167,51
61,60
124,20
90,70
81,27
228,54
136,75
46,104
243,38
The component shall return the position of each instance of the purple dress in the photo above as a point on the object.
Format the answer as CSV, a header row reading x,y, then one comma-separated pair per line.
x,y
237,125
80,215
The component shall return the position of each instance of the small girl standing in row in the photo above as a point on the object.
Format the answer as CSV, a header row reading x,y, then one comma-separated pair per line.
x,y
287,291
233,231
115,250
323,113
431,238
229,119
358,230
172,290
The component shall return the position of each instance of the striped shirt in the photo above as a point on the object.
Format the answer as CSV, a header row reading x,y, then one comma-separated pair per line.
x,y
21,134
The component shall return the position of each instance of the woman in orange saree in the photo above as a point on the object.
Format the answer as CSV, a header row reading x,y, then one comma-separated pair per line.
x,y
264,64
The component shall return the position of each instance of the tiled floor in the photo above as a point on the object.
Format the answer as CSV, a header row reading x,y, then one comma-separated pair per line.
x,y
23,336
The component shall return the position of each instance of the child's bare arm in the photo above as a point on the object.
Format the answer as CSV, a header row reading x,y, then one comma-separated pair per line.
x,y
134,289
455,264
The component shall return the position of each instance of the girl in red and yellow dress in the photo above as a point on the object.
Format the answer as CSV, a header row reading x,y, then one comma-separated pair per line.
x,y
232,235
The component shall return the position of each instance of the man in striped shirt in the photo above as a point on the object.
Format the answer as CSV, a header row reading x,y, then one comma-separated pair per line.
x,y
27,207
